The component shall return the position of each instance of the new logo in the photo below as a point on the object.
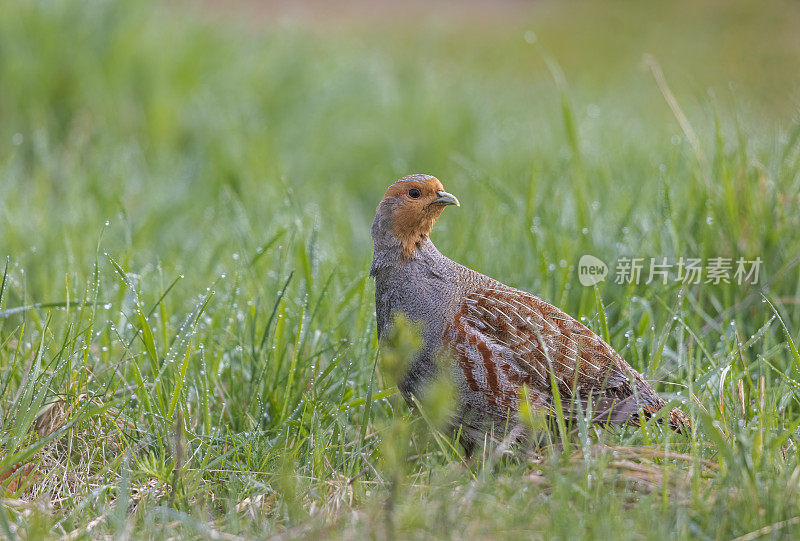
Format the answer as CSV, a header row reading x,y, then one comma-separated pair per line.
x,y
591,270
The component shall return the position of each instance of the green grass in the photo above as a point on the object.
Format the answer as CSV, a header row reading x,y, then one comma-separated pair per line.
x,y
187,337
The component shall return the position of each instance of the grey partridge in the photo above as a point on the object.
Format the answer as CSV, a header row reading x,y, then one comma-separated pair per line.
x,y
497,338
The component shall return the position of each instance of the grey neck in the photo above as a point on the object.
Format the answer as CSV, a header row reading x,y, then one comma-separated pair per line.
x,y
388,251
385,244
389,255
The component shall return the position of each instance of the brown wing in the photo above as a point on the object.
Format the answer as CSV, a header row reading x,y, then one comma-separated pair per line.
x,y
503,338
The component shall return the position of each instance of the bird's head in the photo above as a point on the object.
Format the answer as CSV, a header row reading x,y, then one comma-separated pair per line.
x,y
408,211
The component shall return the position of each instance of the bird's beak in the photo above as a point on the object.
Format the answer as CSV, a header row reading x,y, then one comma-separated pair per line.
x,y
446,199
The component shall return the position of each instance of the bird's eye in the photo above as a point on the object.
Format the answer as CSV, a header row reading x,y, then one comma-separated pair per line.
x,y
413,193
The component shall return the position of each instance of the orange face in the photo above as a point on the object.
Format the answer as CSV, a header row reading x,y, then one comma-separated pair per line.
x,y
415,203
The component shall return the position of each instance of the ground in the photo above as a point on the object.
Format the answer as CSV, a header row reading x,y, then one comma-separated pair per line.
x,y
187,336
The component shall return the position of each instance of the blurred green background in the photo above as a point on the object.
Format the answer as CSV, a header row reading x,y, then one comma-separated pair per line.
x,y
186,191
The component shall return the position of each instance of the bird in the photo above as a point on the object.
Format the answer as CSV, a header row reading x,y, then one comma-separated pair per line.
x,y
496,338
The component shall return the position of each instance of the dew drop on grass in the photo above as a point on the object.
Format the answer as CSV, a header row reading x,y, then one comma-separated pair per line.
x,y
529,37
108,222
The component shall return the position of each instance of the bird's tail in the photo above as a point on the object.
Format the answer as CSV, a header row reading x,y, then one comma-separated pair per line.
x,y
679,422
629,411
